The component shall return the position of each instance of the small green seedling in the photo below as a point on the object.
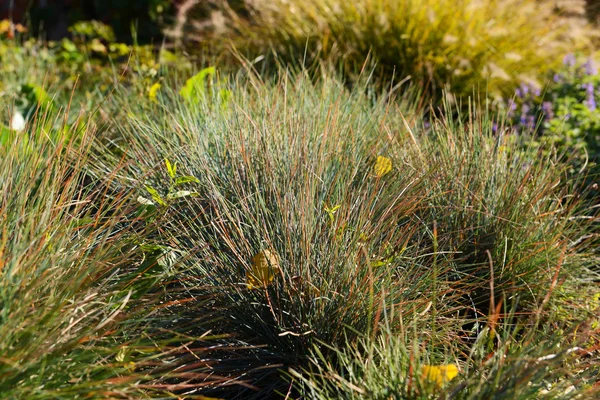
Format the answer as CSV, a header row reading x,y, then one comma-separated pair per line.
x,y
173,193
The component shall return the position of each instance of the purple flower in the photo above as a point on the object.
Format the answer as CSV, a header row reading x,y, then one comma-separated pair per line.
x,y
589,87
590,101
557,78
547,110
512,107
590,67
569,60
518,93
495,127
525,89
530,122
537,92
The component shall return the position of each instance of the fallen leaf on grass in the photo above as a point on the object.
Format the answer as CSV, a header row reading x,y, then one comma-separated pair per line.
x,y
439,374
383,165
264,266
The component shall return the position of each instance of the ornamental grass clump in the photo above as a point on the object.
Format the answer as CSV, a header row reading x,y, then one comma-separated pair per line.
x,y
291,231
395,365
315,211
467,46
51,261
82,313
510,218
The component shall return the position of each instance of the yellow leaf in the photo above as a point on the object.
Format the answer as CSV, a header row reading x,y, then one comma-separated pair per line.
x,y
382,166
153,91
264,266
4,26
97,46
439,374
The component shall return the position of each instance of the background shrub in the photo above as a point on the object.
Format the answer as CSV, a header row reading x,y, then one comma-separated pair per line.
x,y
467,46
564,115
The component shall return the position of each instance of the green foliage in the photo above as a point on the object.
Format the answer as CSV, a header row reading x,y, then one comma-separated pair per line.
x,y
89,30
79,73
172,192
201,85
195,87
33,97
7,135
564,115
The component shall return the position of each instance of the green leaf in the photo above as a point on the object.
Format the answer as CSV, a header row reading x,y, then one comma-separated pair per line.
x,y
195,87
146,208
9,136
84,221
36,95
224,96
153,248
382,262
6,135
155,195
331,211
186,179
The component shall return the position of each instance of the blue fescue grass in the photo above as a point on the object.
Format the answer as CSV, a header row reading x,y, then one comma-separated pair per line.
x,y
468,232
81,316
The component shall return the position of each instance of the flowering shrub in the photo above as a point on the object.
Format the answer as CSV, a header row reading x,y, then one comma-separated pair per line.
x,y
565,114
